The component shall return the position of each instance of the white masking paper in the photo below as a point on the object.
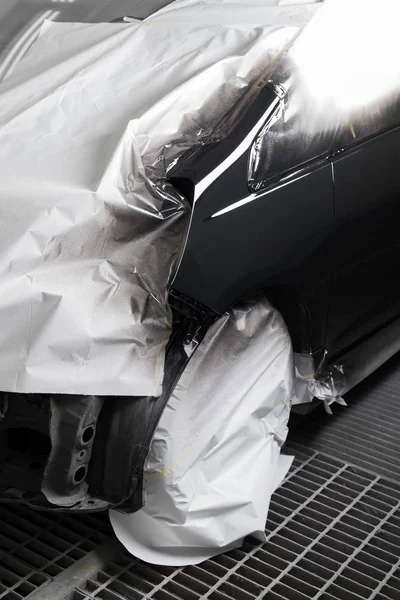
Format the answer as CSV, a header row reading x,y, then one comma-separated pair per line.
x,y
86,250
215,457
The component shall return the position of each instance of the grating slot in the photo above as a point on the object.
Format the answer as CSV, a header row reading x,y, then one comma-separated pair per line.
x,y
191,584
236,555
321,508
219,596
332,495
13,596
292,536
282,500
313,478
305,531
202,575
356,477
289,593
290,496
274,596
348,484
53,570
254,580
378,506
224,560
381,596
394,582
163,595
319,471
316,565
234,592
327,550
125,592
374,561
379,549
266,568
7,578
137,580
363,513
356,524
362,578
281,544
301,574
302,491
327,500
299,585
392,530
14,535
273,522
310,521
367,569
24,589
349,585
41,548
390,592
343,537
279,510
315,516
335,541
344,493
76,595
54,541
15,566
377,494
107,594
274,556
340,594
94,582
390,537
180,591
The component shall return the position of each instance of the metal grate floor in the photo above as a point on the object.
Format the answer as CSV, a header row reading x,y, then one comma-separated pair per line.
x,y
333,533
35,547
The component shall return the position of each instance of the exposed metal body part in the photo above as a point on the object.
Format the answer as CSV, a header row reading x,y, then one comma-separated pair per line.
x,y
72,427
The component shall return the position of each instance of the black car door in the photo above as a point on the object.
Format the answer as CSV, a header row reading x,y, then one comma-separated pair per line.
x,y
366,249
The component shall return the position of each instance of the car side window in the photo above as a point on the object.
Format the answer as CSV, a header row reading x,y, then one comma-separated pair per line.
x,y
331,101
297,135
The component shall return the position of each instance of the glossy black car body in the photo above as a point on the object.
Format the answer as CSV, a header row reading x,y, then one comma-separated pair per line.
x,y
310,215
322,239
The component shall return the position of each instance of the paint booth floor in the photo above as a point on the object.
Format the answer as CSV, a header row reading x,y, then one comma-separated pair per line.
x,y
333,528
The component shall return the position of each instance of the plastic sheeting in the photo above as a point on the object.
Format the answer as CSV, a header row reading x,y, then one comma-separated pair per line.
x,y
224,12
215,456
88,244
341,77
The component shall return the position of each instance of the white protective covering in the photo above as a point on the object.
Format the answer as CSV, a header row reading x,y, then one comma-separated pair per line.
x,y
86,253
215,457
86,250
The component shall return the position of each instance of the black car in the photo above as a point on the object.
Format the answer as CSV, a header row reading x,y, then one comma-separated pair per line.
x,y
293,194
